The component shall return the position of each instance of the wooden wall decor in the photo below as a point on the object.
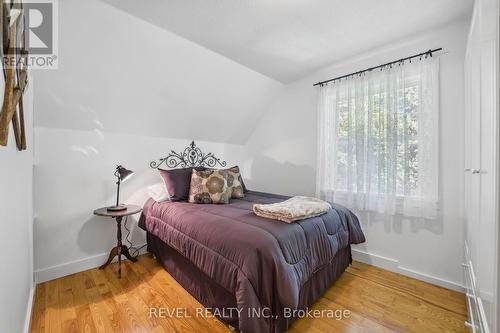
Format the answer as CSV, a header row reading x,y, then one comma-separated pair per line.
x,y
14,55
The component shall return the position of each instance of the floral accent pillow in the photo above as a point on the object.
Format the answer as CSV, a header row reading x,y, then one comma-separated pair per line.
x,y
235,183
209,187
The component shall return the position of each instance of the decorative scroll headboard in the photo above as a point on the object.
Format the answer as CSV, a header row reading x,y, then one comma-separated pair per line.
x,y
192,156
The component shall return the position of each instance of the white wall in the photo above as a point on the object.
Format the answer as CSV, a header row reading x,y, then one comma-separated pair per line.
x,y
103,108
16,222
74,175
286,139
125,92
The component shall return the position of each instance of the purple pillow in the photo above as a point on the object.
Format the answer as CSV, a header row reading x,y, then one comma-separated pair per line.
x,y
178,182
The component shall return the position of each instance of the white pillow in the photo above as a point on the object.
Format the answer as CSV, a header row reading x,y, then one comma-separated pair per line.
x,y
158,192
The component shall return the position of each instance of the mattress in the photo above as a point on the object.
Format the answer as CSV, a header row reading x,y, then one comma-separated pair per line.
x,y
271,267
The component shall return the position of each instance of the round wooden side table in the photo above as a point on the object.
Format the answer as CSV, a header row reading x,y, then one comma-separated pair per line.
x,y
119,249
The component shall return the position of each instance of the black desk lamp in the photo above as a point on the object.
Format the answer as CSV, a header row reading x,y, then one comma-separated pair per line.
x,y
122,174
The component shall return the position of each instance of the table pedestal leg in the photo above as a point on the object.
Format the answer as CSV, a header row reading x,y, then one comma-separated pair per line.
x,y
119,249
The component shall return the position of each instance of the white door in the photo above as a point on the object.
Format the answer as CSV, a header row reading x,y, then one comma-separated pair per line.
x,y
481,147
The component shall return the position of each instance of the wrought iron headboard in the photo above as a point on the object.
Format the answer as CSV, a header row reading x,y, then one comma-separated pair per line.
x,y
192,156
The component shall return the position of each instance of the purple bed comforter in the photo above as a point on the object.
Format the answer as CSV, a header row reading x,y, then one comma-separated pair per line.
x,y
263,262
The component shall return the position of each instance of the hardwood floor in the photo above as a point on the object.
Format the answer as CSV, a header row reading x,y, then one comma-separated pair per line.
x,y
378,300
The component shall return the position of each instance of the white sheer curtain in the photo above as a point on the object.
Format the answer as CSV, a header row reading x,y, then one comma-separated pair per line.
x,y
378,140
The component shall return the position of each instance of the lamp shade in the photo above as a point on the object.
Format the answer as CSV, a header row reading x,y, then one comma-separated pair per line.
x,y
123,173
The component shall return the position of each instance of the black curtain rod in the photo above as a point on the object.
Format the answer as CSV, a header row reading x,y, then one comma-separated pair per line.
x,y
387,64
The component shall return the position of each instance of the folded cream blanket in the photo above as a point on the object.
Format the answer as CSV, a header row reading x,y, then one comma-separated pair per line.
x,y
293,209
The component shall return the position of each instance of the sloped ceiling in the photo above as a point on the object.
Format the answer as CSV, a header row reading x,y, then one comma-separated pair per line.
x,y
119,73
206,69
286,39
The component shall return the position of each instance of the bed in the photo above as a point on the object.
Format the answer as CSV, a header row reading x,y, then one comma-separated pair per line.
x,y
250,270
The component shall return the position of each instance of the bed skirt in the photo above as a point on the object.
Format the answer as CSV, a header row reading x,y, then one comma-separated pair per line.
x,y
213,296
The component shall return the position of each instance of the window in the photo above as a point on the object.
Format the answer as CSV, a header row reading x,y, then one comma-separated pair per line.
x,y
378,142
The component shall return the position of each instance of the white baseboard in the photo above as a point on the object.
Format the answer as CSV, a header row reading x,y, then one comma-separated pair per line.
x,y
54,272
394,266
57,271
29,310
375,260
